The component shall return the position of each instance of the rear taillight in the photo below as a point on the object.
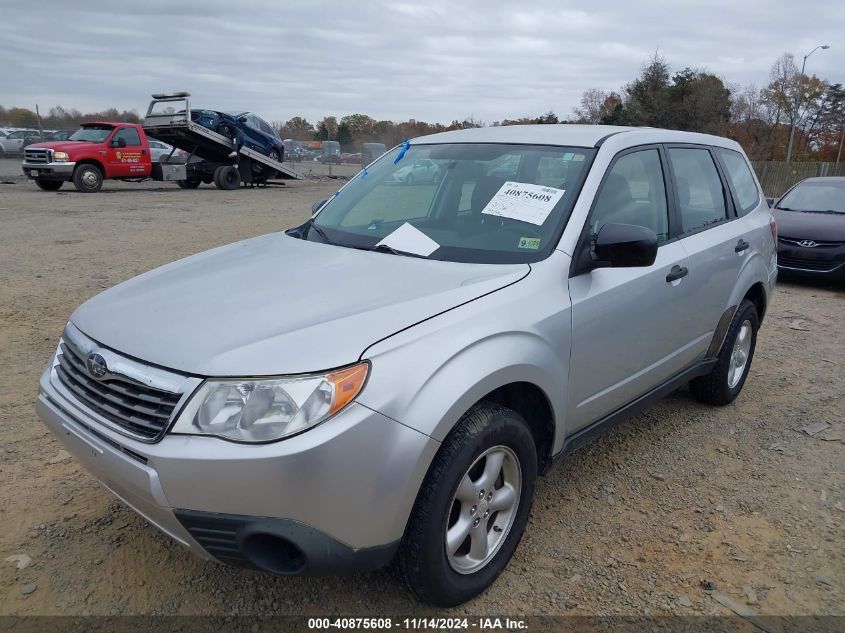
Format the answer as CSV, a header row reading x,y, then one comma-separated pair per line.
x,y
774,227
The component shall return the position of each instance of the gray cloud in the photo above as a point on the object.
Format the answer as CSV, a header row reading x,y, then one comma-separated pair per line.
x,y
431,60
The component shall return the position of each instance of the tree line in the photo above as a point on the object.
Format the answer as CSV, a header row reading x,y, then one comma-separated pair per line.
x,y
794,116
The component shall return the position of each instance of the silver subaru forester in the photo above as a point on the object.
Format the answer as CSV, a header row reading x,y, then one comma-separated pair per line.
x,y
384,383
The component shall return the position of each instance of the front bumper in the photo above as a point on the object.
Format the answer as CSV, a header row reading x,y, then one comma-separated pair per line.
x,y
335,498
821,261
49,171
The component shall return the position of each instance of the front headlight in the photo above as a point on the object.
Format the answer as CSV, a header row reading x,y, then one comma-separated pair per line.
x,y
268,409
60,157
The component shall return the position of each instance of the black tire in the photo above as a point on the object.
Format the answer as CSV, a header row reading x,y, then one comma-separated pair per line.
x,y
49,185
422,564
87,178
225,130
227,177
188,184
273,154
715,388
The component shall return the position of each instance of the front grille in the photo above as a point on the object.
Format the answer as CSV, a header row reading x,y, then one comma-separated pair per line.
x,y
807,264
791,241
142,411
36,155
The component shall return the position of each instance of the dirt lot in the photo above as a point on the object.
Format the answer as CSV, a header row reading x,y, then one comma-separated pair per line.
x,y
739,496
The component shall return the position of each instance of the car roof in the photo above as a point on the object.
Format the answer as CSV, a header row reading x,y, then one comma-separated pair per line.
x,y
573,135
829,180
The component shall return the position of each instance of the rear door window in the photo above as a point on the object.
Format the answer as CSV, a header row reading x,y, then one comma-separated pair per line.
x,y
701,197
742,182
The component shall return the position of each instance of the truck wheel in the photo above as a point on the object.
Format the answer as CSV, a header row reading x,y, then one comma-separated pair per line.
x,y
49,185
227,177
472,508
87,178
188,184
724,382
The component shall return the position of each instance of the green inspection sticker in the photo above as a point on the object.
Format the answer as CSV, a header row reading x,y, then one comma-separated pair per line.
x,y
529,242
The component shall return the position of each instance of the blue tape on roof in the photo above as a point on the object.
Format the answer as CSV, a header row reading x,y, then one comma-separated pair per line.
x,y
402,151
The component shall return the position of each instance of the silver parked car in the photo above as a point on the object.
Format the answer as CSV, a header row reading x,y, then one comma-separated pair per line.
x,y
386,381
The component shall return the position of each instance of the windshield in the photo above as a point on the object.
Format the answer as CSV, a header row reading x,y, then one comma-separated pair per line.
x,y
94,134
471,202
820,196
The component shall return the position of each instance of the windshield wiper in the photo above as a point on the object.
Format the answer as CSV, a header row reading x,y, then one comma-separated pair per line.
x,y
320,232
384,248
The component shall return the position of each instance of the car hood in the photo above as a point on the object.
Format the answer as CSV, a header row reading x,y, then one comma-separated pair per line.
x,y
62,146
805,225
276,304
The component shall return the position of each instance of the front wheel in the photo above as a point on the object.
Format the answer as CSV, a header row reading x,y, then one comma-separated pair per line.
x,y
273,154
188,184
87,178
724,382
472,508
49,185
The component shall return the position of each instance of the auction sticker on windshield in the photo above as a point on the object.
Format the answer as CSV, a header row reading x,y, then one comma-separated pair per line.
x,y
524,202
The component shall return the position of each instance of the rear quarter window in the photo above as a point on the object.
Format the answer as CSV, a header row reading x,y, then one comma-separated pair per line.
x,y
742,181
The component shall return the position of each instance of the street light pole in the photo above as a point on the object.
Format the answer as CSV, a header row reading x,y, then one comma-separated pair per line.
x,y
792,120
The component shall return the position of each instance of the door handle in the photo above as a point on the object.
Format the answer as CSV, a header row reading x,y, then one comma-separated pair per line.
x,y
741,245
677,272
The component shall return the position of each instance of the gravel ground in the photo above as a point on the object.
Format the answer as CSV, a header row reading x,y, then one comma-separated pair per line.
x,y
633,524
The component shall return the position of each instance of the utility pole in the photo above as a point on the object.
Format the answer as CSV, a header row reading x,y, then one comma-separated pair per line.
x,y
794,112
841,139
40,127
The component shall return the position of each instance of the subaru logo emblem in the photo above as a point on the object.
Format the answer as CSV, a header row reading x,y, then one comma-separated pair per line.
x,y
96,365
808,243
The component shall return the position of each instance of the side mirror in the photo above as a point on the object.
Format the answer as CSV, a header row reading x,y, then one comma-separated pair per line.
x,y
316,206
626,245
118,142
242,119
770,202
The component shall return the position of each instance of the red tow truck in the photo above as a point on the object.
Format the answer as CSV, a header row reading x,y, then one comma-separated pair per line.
x,y
121,151
95,152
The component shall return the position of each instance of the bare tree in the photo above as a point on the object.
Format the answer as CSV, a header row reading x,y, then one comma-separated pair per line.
x,y
590,109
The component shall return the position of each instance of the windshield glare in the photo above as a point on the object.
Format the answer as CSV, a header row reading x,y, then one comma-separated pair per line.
x,y
816,196
96,134
486,203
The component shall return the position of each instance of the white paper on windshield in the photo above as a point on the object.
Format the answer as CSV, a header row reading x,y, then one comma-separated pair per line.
x,y
524,202
410,239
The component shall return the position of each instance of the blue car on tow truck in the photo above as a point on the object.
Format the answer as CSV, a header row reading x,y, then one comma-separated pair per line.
x,y
257,133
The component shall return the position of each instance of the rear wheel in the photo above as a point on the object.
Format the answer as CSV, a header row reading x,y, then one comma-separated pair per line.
x,y
227,177
225,130
472,508
87,178
49,185
188,184
724,382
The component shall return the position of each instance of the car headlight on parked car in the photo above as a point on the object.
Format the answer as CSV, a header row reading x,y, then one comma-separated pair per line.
x,y
60,157
268,409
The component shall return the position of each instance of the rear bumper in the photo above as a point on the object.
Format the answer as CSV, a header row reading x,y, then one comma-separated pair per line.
x,y
332,500
49,171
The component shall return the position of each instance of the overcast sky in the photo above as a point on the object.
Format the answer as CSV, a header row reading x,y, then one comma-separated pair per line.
x,y
423,59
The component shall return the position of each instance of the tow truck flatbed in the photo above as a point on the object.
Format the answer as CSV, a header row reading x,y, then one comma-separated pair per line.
x,y
168,119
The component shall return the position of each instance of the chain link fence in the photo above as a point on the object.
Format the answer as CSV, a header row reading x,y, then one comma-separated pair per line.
x,y
778,176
